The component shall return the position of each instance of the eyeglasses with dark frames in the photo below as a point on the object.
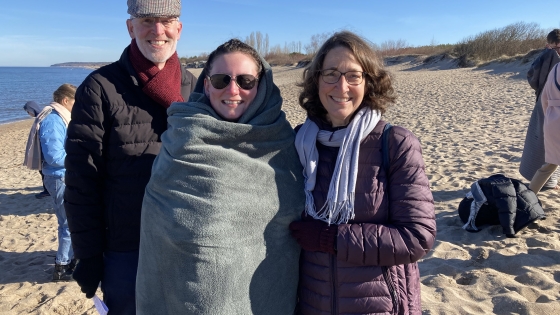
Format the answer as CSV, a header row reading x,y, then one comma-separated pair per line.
x,y
243,81
332,76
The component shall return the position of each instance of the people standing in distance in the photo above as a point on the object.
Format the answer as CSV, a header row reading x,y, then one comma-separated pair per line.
x,y
551,126
364,227
52,134
533,154
33,110
115,135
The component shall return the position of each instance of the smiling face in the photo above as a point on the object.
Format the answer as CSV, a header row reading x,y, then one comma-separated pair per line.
x,y
232,101
340,99
156,37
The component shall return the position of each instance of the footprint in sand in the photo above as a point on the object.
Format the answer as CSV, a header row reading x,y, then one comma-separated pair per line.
x,y
467,278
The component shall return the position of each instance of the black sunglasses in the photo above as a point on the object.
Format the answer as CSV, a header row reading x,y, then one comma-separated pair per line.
x,y
221,81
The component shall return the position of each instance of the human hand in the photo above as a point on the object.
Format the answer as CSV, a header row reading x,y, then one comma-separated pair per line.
x,y
88,273
315,236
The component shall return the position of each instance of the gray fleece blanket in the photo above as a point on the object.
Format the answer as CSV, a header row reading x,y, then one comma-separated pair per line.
x,y
214,230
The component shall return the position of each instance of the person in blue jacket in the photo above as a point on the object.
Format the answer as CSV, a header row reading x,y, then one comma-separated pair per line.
x,y
52,135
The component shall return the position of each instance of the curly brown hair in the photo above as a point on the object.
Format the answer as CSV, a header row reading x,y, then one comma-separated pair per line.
x,y
379,92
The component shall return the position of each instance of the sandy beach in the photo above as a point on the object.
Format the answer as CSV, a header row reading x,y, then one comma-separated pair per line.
x,y
471,123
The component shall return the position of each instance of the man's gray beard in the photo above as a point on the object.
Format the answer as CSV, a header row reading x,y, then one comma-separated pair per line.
x,y
152,57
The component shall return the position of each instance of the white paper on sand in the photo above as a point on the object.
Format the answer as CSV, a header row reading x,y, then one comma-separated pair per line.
x,y
101,308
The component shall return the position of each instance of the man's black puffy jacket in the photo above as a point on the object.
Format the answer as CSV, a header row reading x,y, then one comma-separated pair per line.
x,y
113,139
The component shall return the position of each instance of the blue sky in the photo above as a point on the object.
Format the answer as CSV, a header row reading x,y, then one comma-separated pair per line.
x,y
44,32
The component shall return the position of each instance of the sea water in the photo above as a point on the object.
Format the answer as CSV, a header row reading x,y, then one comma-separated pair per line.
x,y
21,84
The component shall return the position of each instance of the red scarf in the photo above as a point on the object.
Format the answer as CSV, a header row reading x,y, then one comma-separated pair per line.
x,y
163,86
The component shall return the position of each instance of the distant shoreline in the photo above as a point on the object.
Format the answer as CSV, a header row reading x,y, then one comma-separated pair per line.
x,y
87,65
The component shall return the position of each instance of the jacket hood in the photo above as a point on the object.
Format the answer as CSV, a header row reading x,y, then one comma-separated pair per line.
x,y
32,107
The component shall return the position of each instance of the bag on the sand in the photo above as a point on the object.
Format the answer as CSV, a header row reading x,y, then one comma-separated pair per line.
x,y
500,200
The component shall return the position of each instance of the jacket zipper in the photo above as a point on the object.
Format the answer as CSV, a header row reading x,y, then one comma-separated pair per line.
x,y
334,284
392,290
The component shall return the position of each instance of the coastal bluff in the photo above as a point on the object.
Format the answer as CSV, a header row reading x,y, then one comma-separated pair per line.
x,y
89,65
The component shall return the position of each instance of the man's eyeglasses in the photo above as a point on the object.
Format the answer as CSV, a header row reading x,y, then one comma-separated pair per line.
x,y
244,81
167,22
555,48
352,77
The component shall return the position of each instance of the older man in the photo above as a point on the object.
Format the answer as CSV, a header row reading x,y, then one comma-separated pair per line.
x,y
115,133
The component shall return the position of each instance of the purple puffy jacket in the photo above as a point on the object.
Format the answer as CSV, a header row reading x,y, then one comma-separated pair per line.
x,y
375,269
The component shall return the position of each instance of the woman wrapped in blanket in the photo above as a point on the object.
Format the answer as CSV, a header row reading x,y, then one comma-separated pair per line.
x,y
224,188
364,226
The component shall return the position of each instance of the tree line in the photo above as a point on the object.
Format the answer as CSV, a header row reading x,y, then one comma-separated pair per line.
x,y
511,40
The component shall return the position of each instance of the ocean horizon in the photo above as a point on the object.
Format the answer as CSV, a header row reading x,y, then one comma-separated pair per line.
x,y
19,85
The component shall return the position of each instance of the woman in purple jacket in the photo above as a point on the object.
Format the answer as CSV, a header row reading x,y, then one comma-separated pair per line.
x,y
363,229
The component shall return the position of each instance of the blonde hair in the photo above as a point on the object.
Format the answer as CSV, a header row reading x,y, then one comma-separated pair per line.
x,y
65,90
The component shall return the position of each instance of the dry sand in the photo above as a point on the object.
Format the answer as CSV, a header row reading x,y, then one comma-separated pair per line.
x,y
471,123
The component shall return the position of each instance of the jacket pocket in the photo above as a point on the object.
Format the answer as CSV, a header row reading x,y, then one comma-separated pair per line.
x,y
392,289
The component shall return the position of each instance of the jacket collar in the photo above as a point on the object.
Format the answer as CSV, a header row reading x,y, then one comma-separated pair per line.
x,y
125,63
